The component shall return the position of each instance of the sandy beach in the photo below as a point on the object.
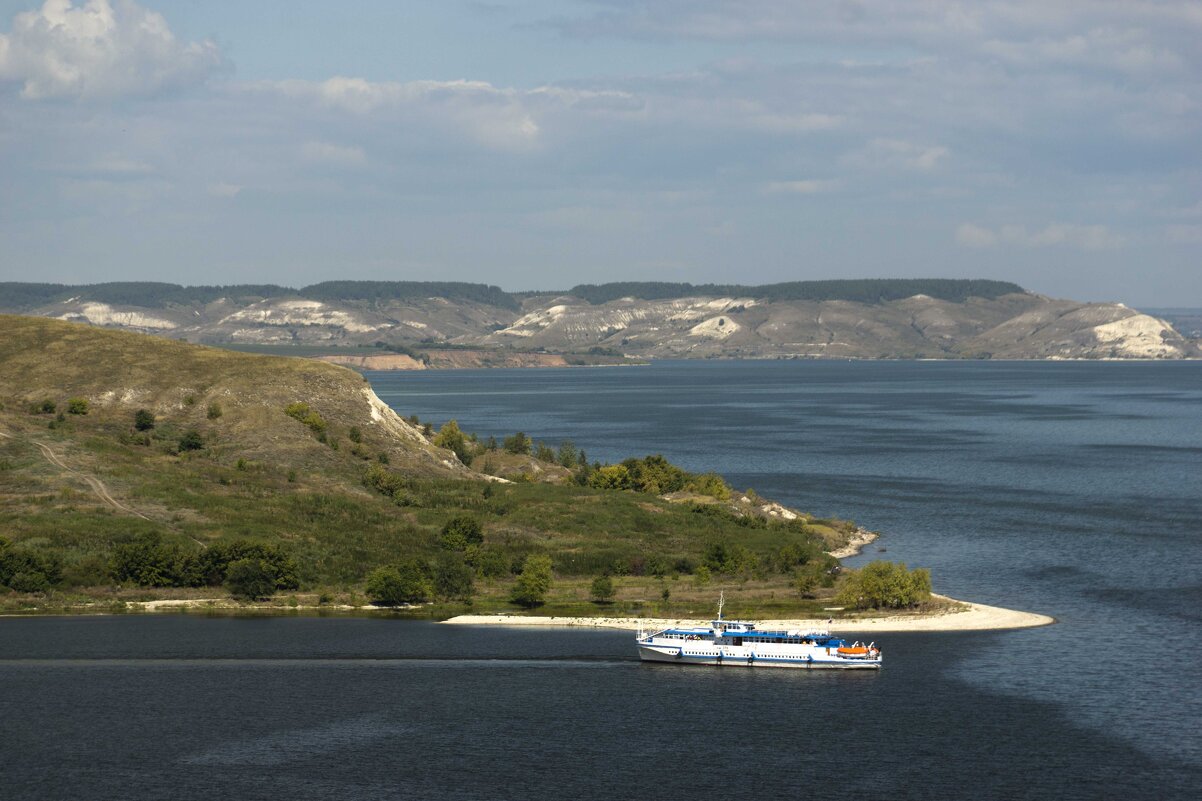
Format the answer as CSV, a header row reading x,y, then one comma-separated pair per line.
x,y
970,617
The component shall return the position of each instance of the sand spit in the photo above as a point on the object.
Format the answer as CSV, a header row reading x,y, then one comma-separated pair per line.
x,y
856,544
968,617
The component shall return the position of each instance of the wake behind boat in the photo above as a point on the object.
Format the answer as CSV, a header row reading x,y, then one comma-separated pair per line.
x,y
740,643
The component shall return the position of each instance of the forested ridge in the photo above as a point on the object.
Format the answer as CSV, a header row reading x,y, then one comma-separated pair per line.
x,y
17,296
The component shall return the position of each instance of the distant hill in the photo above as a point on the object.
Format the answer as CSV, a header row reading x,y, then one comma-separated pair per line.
x,y
870,318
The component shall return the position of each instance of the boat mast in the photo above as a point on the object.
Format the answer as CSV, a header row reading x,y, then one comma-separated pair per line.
x,y
721,600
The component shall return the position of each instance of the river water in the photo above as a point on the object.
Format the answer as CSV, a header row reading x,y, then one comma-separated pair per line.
x,y
1072,489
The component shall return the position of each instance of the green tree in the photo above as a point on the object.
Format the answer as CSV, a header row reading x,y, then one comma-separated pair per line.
x,y
543,453
148,561
250,580
655,475
602,591
519,443
28,570
491,563
533,583
77,406
460,533
212,564
452,438
405,583
143,419
881,585
453,579
566,455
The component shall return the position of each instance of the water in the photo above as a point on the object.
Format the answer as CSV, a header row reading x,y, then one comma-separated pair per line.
x,y
1070,489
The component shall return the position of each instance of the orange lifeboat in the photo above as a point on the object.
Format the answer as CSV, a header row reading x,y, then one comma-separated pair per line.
x,y
848,650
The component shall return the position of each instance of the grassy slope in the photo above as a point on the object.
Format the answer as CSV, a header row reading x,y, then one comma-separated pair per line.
x,y
265,476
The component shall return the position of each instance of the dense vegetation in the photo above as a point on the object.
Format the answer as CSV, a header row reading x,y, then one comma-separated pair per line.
x,y
377,291
15,296
867,290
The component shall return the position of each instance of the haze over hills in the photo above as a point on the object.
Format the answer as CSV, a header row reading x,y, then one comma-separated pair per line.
x,y
878,318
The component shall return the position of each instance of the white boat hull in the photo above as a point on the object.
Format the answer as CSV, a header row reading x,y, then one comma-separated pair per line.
x,y
734,657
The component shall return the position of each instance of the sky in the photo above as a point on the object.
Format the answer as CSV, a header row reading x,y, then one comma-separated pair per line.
x,y
537,145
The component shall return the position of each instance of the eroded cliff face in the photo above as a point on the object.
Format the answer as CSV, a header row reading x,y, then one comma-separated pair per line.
x,y
1020,326
1014,326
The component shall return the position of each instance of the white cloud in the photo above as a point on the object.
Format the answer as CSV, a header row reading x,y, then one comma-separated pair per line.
x,y
1081,237
1184,234
896,153
803,187
497,118
328,153
1123,49
99,50
222,189
974,236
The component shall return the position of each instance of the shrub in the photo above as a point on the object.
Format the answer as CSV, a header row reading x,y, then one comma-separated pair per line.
x,y
384,481
519,443
354,435
46,406
250,580
602,591
611,476
77,406
297,410
214,411
710,484
544,453
143,420
29,582
191,441
461,532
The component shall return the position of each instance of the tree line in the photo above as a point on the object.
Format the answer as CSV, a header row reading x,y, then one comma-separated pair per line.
x,y
865,290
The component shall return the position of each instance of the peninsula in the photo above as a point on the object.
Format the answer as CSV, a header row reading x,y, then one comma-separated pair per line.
x,y
139,469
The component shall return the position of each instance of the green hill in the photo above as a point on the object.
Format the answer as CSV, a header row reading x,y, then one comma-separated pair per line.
x,y
120,449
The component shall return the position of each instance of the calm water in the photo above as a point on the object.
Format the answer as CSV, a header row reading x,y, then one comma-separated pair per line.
x,y
1070,489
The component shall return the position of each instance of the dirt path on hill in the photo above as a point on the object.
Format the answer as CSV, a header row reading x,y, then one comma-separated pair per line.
x,y
96,484
98,487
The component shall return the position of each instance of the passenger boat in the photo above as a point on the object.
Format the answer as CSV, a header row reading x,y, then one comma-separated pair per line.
x,y
739,643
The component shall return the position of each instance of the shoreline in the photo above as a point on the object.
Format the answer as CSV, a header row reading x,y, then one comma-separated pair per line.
x,y
970,617
856,544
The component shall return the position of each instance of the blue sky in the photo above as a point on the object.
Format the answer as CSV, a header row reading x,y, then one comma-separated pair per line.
x,y
543,144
